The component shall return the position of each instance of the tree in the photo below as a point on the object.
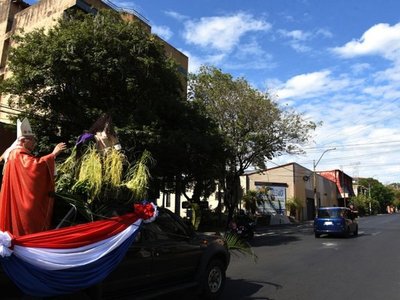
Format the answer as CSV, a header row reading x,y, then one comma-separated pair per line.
x,y
365,204
378,193
255,128
66,77
252,199
87,65
293,206
395,188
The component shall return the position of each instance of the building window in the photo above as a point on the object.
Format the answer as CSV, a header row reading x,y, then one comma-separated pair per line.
x,y
167,199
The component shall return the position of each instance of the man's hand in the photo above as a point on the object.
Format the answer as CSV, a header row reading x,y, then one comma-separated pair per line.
x,y
59,148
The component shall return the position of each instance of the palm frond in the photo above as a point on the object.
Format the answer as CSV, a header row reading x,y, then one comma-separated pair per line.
x,y
69,165
139,176
238,245
113,167
90,173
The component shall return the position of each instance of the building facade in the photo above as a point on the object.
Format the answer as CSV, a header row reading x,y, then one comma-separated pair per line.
x,y
344,185
293,181
17,15
285,183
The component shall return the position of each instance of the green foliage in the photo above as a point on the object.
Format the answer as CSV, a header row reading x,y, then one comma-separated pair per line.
x,y
87,65
113,163
139,176
196,215
212,221
90,176
293,205
99,184
236,245
252,199
365,205
395,188
254,127
380,195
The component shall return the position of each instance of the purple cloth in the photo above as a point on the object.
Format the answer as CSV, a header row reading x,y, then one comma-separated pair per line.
x,y
84,137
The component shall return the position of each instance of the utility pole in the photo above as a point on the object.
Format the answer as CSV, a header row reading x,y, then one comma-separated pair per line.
x,y
369,196
317,202
342,185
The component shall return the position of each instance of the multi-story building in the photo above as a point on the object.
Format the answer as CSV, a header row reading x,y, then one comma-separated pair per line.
x,y
16,15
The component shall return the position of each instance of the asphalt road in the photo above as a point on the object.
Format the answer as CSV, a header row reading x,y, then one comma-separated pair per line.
x,y
292,264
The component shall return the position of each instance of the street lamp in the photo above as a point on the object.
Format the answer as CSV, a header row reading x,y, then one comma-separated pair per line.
x,y
369,195
317,202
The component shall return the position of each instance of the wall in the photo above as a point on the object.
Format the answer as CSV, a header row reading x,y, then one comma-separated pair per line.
x,y
46,13
300,185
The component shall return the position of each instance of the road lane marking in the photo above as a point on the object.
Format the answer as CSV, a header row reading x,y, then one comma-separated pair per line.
x,y
376,233
329,244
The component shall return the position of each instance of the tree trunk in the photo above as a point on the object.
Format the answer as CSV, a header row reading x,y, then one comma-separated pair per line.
x,y
178,191
232,195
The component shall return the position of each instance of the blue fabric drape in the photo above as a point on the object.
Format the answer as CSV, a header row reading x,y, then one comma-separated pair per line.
x,y
43,283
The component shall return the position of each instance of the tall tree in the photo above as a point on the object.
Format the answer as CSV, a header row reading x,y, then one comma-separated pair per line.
x,y
395,188
381,194
64,78
254,126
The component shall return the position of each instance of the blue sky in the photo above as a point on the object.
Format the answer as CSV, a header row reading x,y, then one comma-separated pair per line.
x,y
335,61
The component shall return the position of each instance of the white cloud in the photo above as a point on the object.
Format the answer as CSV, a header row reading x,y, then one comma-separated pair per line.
x,y
162,31
251,50
195,62
123,3
298,38
384,92
381,39
324,32
222,33
360,68
250,56
298,35
390,74
175,15
311,85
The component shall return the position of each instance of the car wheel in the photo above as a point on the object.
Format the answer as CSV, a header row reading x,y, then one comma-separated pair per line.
x,y
347,232
356,231
317,235
251,234
94,292
213,280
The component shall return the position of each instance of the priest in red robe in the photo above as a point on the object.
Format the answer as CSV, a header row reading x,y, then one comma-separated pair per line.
x,y
26,197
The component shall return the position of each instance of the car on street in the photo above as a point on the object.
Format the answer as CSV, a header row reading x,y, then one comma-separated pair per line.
x,y
167,256
335,221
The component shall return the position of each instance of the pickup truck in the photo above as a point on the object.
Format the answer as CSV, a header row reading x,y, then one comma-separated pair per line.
x,y
167,256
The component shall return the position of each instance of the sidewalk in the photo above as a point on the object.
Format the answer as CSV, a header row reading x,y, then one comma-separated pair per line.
x,y
298,225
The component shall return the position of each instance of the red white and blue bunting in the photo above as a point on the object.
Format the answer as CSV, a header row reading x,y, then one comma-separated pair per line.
x,y
66,260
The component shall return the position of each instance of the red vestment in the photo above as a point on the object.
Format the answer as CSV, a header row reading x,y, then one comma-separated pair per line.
x,y
26,201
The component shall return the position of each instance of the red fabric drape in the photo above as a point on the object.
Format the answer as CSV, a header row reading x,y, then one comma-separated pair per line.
x,y
77,235
88,233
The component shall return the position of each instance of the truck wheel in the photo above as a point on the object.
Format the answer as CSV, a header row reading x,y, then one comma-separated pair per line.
x,y
356,231
213,280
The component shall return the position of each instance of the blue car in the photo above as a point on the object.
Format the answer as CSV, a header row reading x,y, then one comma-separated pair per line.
x,y
335,221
